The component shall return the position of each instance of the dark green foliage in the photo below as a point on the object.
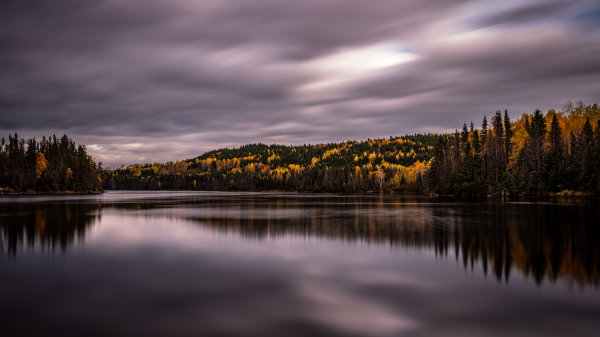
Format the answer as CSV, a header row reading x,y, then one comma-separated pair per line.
x,y
302,155
588,132
331,173
507,137
546,162
555,148
527,158
68,167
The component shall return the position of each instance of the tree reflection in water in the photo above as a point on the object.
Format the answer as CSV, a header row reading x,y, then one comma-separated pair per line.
x,y
47,226
553,240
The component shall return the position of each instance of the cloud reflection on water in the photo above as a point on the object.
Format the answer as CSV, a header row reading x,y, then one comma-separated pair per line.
x,y
544,240
272,264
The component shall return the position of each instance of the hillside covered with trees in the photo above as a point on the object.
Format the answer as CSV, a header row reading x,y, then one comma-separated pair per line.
x,y
50,165
557,153
352,166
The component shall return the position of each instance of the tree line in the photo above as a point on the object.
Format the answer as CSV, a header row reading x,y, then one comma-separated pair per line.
x,y
397,163
538,154
556,153
50,165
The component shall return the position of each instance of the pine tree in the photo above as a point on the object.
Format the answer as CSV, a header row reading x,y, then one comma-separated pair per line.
x,y
538,127
484,143
464,138
508,134
46,165
588,131
555,150
496,146
588,174
436,169
476,154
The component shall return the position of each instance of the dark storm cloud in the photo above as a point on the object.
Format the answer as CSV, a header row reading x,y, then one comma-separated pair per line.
x,y
163,80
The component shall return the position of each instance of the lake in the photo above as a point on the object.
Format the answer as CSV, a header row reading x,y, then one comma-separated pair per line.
x,y
288,264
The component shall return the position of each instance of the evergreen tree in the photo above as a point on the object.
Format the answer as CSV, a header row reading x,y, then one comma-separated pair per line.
x,y
588,131
484,143
464,138
555,149
48,165
508,134
538,137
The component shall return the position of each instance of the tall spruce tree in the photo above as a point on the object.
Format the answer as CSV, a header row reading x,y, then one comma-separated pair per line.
x,y
538,136
508,134
588,131
464,137
555,145
484,143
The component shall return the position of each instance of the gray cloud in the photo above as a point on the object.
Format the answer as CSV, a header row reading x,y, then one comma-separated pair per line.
x,y
529,13
165,80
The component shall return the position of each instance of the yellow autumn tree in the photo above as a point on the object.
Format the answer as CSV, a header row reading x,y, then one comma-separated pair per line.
x,y
40,165
377,178
518,139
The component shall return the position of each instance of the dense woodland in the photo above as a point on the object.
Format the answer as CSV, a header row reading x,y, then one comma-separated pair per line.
x,y
398,163
50,165
556,153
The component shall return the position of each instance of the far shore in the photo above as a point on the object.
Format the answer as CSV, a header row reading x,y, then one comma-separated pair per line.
x,y
50,193
6,192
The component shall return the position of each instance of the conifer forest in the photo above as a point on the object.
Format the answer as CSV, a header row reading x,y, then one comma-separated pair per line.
x,y
50,165
553,153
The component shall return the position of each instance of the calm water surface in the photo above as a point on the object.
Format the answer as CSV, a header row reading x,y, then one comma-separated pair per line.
x,y
192,264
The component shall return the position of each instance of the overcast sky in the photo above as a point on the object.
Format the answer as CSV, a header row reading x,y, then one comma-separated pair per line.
x,y
159,80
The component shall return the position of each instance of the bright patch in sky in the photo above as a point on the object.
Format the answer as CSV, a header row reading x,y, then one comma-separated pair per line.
x,y
365,59
351,65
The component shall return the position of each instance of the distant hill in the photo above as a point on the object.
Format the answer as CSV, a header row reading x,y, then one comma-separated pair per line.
x,y
405,150
336,167
557,153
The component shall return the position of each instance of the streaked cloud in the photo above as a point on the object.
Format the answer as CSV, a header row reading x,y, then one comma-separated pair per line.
x,y
181,77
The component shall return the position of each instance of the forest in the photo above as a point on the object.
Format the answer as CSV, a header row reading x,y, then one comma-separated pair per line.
x,y
50,165
551,154
557,153
351,166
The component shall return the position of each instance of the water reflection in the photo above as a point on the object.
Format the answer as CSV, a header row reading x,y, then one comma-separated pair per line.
x,y
47,226
541,240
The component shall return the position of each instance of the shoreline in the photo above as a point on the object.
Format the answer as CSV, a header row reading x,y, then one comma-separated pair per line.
x,y
431,195
52,193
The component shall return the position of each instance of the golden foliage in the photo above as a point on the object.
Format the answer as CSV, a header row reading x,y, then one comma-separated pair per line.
x,y
296,168
40,165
